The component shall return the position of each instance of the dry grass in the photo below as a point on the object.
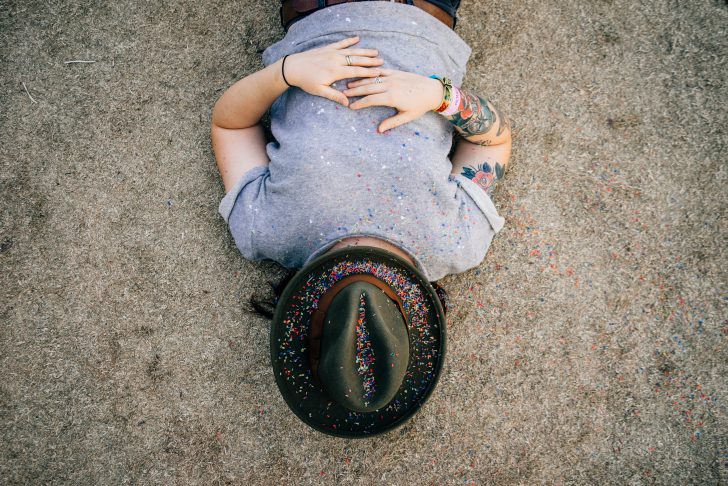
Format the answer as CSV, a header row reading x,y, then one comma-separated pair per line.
x,y
588,348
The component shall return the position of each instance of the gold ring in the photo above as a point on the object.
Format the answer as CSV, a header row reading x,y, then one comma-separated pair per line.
x,y
348,60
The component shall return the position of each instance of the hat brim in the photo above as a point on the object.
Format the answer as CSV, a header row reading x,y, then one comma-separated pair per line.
x,y
291,324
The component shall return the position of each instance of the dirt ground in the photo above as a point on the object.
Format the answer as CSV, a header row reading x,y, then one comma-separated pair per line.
x,y
589,347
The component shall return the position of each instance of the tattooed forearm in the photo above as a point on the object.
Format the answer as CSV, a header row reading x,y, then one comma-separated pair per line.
x,y
473,116
485,175
477,119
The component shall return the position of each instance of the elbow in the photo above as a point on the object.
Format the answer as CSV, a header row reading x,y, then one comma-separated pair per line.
x,y
505,126
495,137
222,114
507,135
216,116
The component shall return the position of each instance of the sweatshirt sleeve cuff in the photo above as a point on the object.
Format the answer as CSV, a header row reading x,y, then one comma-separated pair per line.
x,y
482,200
228,202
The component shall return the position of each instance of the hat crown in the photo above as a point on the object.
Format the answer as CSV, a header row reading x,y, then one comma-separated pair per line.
x,y
364,348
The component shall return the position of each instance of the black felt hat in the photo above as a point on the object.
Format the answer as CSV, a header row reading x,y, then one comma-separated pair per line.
x,y
357,342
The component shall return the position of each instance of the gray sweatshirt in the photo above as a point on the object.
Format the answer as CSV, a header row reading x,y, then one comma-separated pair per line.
x,y
331,175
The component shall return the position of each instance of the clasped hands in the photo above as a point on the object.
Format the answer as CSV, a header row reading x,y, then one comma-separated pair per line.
x,y
315,70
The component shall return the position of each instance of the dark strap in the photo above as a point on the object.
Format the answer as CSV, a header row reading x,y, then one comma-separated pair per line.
x,y
306,6
317,321
293,9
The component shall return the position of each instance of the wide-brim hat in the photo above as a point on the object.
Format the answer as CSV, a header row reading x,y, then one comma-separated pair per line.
x,y
294,341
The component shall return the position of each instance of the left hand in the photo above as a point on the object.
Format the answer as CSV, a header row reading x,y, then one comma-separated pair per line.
x,y
411,94
315,70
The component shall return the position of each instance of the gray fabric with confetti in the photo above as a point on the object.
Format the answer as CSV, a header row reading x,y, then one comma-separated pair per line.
x,y
331,175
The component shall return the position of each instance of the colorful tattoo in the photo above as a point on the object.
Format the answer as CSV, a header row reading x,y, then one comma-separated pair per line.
x,y
477,116
484,175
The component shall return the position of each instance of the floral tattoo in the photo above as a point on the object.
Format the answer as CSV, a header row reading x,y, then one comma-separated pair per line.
x,y
484,175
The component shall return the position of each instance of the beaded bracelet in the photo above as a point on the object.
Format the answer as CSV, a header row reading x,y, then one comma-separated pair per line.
x,y
446,92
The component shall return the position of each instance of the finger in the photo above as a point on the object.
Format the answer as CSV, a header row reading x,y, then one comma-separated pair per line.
x,y
361,82
368,89
360,52
394,121
334,95
365,81
379,99
365,61
359,72
344,43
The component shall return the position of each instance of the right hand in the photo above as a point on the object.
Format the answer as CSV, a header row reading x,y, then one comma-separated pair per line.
x,y
315,70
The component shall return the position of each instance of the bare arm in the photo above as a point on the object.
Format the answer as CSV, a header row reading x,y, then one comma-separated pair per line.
x,y
237,138
245,102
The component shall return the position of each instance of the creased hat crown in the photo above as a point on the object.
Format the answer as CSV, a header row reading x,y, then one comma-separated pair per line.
x,y
364,348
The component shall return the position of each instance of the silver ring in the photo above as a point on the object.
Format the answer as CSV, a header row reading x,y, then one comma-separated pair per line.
x,y
348,60
378,79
